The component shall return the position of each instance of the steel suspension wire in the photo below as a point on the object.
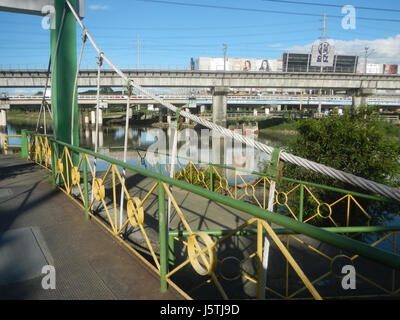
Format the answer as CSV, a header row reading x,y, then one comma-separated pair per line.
x,y
388,192
84,37
99,64
42,106
128,102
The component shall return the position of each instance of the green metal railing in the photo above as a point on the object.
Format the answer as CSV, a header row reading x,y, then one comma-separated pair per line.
x,y
34,146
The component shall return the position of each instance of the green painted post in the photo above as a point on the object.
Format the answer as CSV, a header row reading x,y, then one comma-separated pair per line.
x,y
301,202
24,144
85,186
211,178
54,161
171,250
163,231
63,78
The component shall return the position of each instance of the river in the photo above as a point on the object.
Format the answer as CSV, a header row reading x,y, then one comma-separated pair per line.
x,y
111,141
193,144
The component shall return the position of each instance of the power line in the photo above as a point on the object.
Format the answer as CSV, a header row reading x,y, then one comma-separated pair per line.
x,y
208,27
263,10
332,5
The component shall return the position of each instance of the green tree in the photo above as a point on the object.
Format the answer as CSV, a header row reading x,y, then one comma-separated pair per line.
x,y
356,143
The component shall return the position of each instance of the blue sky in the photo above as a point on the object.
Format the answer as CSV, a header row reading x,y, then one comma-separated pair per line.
x,y
171,33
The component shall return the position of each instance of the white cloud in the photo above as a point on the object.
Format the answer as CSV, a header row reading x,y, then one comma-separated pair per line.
x,y
275,45
385,50
98,7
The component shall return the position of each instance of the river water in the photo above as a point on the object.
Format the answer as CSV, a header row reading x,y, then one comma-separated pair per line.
x,y
111,142
196,145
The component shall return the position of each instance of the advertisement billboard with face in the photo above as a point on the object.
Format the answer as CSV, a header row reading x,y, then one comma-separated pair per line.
x,y
240,64
390,69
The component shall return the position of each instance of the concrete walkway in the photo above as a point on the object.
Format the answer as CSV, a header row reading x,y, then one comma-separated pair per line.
x,y
39,225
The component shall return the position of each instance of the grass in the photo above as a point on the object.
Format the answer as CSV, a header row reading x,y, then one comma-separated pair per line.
x,y
392,130
288,127
273,125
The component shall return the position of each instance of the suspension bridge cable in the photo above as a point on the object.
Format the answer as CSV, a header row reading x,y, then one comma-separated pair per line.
x,y
96,143
44,94
388,192
84,37
128,98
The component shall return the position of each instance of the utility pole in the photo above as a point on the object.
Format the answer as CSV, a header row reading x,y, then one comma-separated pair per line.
x,y
323,38
138,51
225,46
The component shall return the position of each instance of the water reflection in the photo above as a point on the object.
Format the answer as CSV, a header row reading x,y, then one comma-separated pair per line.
x,y
205,147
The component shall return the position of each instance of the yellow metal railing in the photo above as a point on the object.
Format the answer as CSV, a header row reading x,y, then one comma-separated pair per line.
x,y
236,186
6,145
99,193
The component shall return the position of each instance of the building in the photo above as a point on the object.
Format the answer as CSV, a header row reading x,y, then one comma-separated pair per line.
x,y
301,62
238,64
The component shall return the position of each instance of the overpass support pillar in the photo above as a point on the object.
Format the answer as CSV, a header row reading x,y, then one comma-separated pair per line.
x,y
3,118
219,105
360,96
162,114
93,117
186,119
100,117
86,118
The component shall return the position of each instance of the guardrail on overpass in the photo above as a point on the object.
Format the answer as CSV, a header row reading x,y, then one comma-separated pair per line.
x,y
207,99
209,79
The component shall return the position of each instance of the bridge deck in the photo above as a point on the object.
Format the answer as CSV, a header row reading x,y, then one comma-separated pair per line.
x,y
39,225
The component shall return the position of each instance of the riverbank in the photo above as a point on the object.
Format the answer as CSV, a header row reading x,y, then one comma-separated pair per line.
x,y
286,129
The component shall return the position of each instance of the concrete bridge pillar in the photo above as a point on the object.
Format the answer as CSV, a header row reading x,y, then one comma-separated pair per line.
x,y
101,138
360,96
358,101
186,119
86,118
217,149
162,114
3,132
87,134
219,105
100,117
93,117
3,118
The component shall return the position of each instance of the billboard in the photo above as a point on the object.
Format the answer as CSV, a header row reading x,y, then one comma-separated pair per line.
x,y
374,68
322,54
390,69
240,64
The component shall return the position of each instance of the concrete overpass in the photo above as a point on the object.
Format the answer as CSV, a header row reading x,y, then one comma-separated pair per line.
x,y
246,100
359,86
211,79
